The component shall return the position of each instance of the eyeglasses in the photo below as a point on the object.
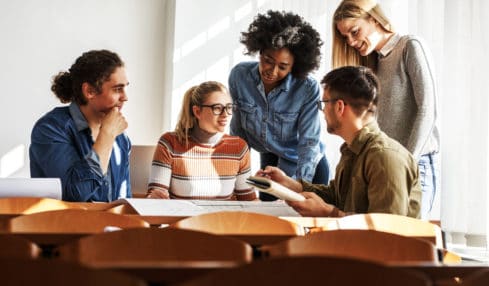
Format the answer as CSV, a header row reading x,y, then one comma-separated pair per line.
x,y
322,103
218,109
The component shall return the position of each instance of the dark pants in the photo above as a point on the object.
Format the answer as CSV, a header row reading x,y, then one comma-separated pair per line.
x,y
321,176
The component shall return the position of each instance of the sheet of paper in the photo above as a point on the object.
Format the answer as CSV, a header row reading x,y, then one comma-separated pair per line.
x,y
273,188
158,207
31,187
275,208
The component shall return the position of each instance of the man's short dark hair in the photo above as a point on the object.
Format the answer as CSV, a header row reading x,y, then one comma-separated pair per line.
x,y
357,86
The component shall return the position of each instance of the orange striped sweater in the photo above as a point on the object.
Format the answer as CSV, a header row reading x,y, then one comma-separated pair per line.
x,y
201,171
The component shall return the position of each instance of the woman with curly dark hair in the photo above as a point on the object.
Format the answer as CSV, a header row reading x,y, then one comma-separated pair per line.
x,y
277,110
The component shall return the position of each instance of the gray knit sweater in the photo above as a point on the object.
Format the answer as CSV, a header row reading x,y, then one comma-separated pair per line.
x,y
407,107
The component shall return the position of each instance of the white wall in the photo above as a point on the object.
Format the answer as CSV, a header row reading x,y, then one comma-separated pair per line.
x,y
41,38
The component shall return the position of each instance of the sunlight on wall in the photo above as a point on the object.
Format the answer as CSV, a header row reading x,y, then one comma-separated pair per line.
x,y
243,11
194,44
219,70
178,93
260,3
239,56
219,27
177,54
12,161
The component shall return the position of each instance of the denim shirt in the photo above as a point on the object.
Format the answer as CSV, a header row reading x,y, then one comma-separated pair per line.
x,y
285,122
61,147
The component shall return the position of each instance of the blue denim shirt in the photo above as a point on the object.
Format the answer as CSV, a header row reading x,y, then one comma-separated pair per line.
x,y
285,123
61,147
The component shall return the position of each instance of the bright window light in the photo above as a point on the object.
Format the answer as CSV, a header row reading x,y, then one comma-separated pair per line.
x,y
12,161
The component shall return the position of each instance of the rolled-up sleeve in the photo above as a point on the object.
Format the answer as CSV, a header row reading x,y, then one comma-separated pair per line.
x,y
53,155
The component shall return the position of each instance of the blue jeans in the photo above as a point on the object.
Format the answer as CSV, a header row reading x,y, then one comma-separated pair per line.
x,y
321,176
428,175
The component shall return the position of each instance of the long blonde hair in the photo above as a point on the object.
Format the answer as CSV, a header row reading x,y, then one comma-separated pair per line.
x,y
343,54
194,96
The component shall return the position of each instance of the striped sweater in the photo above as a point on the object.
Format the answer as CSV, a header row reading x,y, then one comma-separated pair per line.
x,y
202,171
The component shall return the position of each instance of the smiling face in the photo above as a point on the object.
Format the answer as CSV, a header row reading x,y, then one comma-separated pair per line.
x,y
363,34
274,66
207,120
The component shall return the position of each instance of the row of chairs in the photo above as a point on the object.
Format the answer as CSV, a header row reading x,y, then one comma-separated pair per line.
x,y
220,223
403,225
331,256
60,273
52,216
153,244
281,271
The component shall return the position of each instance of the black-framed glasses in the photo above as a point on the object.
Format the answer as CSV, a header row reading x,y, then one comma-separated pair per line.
x,y
218,109
322,103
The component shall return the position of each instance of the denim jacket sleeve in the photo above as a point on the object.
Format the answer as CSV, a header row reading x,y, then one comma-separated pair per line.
x,y
309,131
57,151
235,126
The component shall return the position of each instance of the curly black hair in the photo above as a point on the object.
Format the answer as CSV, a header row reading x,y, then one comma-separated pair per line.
x,y
94,67
276,30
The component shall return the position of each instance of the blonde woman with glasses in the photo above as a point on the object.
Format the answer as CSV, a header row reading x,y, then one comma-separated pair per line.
x,y
198,160
407,107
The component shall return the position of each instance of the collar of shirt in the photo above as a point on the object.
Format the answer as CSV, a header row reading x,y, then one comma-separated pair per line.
x,y
80,121
284,85
361,139
391,43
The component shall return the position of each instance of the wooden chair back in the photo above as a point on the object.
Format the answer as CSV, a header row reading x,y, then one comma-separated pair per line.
x,y
359,244
29,205
95,206
54,273
72,221
12,246
479,278
122,209
140,167
238,223
392,223
155,244
311,271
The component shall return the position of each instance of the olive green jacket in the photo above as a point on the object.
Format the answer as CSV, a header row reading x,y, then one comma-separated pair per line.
x,y
375,174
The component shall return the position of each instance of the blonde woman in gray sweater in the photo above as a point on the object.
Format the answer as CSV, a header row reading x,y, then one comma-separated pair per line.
x,y
407,107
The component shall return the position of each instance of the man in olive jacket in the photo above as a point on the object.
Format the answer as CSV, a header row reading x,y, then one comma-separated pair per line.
x,y
375,172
